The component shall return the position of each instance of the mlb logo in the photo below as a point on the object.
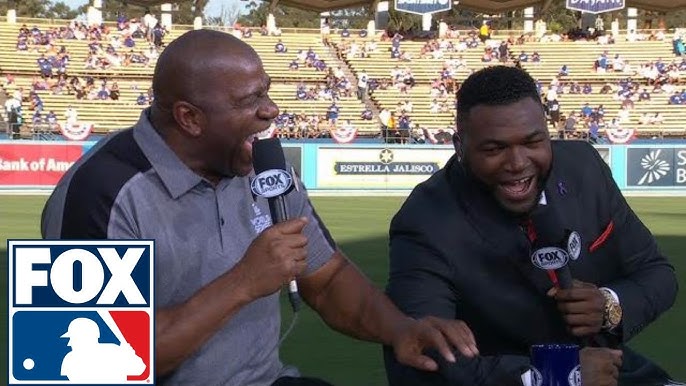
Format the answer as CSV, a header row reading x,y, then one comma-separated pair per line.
x,y
81,312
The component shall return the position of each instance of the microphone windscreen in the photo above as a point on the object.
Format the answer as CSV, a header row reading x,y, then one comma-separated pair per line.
x,y
268,154
549,229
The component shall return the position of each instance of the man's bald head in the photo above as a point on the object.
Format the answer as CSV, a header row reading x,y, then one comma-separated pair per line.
x,y
190,65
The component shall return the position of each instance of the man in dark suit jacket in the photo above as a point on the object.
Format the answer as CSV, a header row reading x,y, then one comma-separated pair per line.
x,y
461,247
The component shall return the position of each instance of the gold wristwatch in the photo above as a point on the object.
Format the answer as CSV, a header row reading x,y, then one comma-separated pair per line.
x,y
613,310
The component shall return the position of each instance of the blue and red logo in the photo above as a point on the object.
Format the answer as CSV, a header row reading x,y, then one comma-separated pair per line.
x,y
81,312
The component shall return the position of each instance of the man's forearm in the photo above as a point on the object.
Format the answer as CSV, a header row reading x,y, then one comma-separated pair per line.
x,y
182,329
350,303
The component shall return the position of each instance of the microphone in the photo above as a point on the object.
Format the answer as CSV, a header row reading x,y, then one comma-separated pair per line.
x,y
554,246
273,182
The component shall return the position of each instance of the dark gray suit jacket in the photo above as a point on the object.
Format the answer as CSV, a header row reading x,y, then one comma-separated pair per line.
x,y
455,254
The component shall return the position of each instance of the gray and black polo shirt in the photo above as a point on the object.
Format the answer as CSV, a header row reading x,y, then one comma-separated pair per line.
x,y
131,185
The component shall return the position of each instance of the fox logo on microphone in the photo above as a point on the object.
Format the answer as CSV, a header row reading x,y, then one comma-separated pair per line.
x,y
550,258
271,183
81,312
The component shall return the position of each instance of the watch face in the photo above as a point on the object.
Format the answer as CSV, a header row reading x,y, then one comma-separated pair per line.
x,y
614,314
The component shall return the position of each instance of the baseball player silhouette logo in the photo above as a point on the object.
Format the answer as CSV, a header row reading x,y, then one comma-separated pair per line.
x,y
92,361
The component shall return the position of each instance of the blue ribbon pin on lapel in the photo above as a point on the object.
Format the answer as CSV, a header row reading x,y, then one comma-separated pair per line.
x,y
561,188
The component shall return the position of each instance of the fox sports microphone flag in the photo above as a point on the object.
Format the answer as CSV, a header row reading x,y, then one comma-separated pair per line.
x,y
81,312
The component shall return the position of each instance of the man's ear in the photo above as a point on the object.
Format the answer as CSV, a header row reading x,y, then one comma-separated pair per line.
x,y
189,118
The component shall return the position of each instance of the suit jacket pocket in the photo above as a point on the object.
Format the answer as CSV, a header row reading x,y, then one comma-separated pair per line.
x,y
600,240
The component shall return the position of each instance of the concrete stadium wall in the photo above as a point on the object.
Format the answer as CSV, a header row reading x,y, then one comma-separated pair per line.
x,y
329,169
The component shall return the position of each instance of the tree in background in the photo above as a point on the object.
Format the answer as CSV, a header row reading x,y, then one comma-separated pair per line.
x,y
227,16
184,10
41,9
287,17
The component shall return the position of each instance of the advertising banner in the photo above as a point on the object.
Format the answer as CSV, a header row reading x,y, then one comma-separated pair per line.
x,y
595,6
294,157
656,167
34,164
604,152
378,167
422,7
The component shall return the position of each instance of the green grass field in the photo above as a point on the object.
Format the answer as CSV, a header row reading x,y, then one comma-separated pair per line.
x,y
360,225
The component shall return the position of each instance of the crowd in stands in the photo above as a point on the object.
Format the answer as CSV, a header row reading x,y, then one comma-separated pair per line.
x,y
106,47
307,58
109,48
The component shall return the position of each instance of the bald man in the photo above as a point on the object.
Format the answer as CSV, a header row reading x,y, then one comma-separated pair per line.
x,y
181,176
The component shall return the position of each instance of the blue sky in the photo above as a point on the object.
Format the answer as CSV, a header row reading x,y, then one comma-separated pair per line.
x,y
212,9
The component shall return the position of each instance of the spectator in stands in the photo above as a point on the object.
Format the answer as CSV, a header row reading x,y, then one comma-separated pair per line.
x,y
600,111
280,48
319,65
575,88
51,119
487,56
386,123
36,101
129,42
418,135
293,65
158,33
103,94
396,39
406,106
675,99
601,63
71,115
678,45
44,66
37,119
586,111
367,114
606,89
618,63
362,80
149,22
593,128
484,31
408,78
535,57
395,53
22,43
345,33
587,89
403,126
434,107
553,109
332,114
569,126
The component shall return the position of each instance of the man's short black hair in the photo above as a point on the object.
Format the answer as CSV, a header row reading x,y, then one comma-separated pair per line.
x,y
494,86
